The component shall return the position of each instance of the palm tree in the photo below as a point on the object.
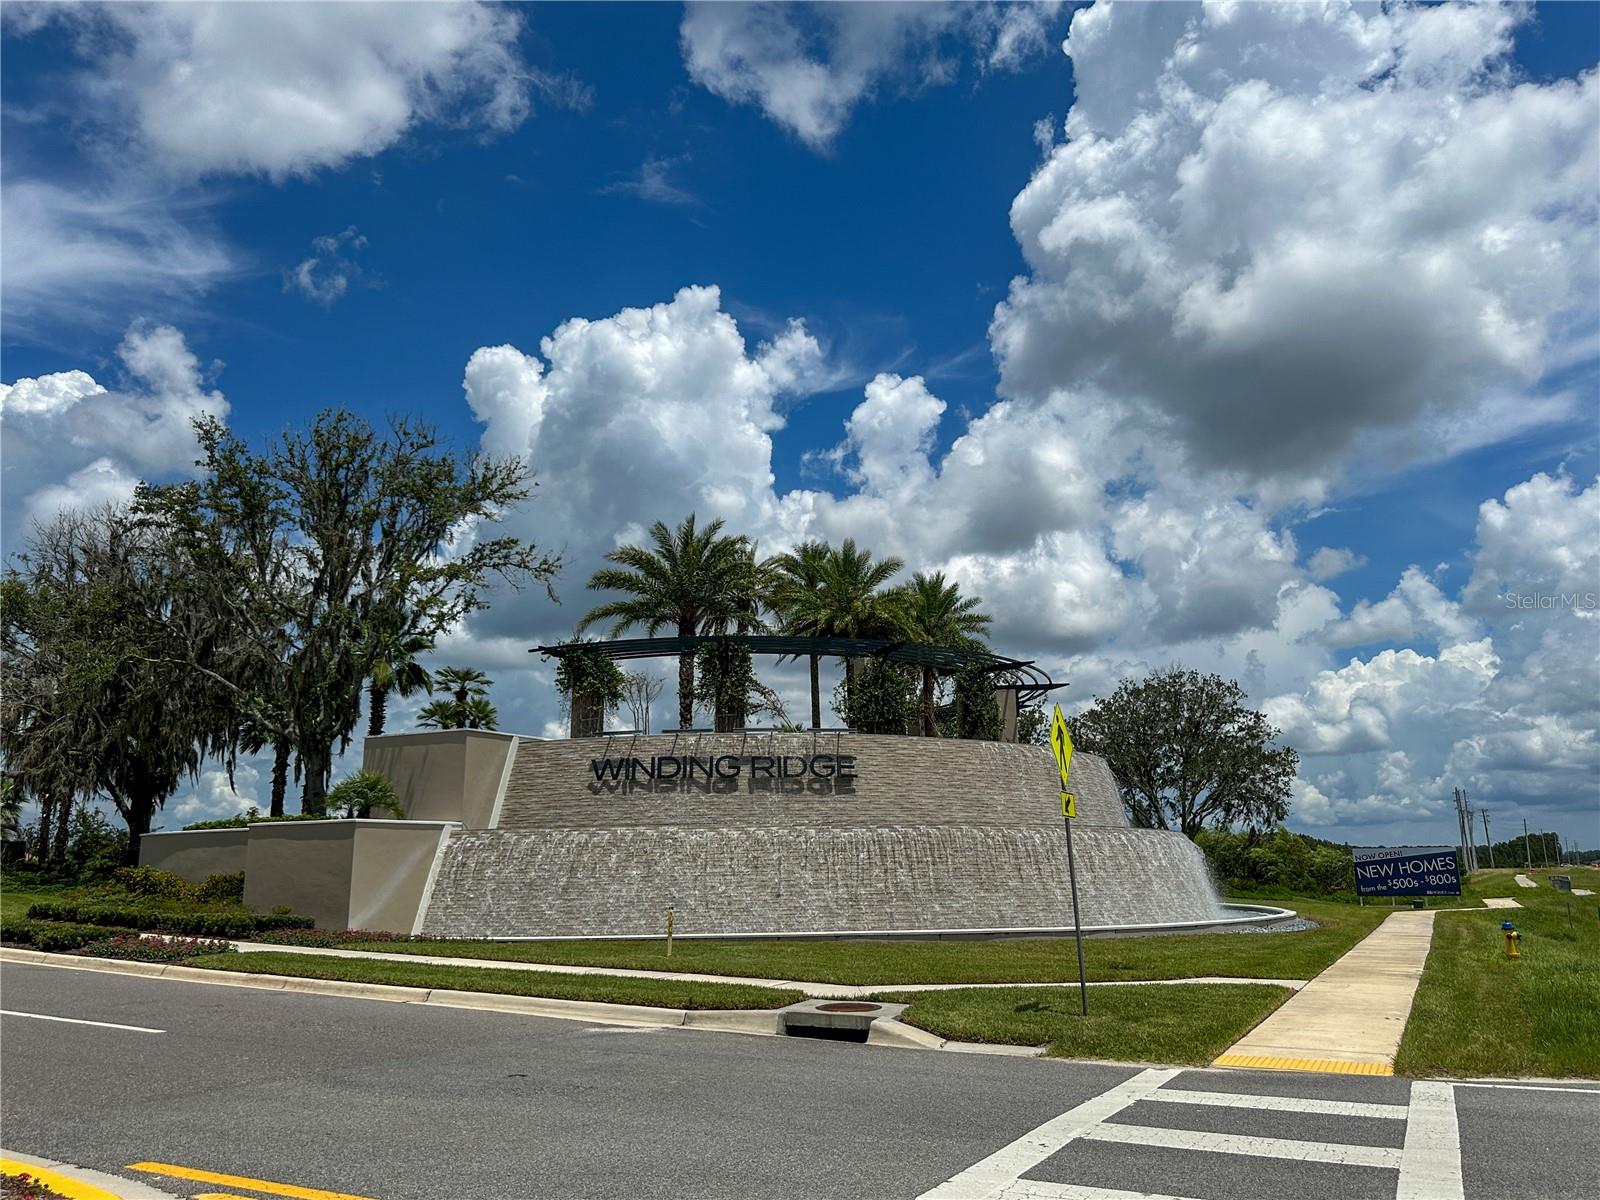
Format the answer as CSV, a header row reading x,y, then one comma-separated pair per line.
x,y
696,581
395,669
463,683
936,613
473,713
852,590
851,601
10,810
795,595
468,706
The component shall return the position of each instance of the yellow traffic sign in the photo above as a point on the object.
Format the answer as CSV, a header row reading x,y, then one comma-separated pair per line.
x,y
1061,743
1069,804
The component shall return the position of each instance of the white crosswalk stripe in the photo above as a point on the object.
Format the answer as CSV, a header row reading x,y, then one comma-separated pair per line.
x,y
987,1179
1427,1166
1431,1161
1343,1153
1039,1189
1330,1108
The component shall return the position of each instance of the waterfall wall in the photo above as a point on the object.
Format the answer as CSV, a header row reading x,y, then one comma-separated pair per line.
x,y
803,833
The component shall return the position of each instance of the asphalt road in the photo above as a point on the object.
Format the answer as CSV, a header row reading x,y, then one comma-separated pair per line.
x,y
397,1101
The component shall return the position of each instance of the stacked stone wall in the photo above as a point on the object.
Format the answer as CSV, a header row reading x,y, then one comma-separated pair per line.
x,y
893,781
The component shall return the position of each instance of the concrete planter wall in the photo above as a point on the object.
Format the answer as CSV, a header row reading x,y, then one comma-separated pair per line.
x,y
345,874
195,853
446,775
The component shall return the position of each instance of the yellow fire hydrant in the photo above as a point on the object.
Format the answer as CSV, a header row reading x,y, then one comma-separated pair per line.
x,y
1512,938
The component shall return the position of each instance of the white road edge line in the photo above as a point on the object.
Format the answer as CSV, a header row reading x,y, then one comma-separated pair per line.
x,y
1039,1189
989,1178
1533,1087
1430,1164
1293,1149
8,1012
1332,1108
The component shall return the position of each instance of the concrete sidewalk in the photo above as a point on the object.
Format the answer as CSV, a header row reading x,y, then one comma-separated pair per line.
x,y
1348,1019
829,991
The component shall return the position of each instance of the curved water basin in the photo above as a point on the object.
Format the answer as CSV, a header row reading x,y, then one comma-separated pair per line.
x,y
1233,916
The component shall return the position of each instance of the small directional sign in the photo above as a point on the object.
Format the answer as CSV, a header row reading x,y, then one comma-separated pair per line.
x,y
1061,743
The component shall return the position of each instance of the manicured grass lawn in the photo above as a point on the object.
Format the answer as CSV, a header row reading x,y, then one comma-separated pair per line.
x,y
1178,1023
1479,1013
14,901
1018,960
664,993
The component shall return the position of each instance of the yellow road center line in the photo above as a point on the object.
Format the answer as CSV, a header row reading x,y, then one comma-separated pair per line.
x,y
220,1196
1329,1066
73,1189
242,1181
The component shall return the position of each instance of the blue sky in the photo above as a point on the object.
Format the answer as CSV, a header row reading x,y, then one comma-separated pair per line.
x,y
883,176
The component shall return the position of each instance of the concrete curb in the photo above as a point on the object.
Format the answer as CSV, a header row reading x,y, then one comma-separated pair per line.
x,y
726,1020
886,1031
819,991
760,1022
80,1183
594,1012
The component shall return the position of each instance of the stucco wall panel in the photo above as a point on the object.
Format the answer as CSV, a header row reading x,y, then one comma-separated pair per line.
x,y
344,874
445,775
194,853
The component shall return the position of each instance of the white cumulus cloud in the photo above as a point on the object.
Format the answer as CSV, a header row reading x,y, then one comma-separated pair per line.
x,y
1289,236
69,440
808,66
286,89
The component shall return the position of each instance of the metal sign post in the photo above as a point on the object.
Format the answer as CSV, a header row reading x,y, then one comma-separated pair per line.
x,y
1061,743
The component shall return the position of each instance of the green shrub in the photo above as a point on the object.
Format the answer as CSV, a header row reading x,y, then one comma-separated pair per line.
x,y
251,816
881,698
975,710
95,848
724,676
589,675
366,793
53,936
152,882
329,938
215,889
1279,863
156,920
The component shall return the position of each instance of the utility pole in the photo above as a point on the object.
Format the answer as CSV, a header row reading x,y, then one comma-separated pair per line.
x,y
1484,813
1461,837
1472,845
1464,830
1527,846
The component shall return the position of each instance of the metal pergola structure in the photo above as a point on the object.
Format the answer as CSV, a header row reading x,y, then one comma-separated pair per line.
x,y
1030,681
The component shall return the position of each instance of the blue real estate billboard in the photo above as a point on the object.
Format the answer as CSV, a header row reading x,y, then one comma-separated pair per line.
x,y
1408,871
